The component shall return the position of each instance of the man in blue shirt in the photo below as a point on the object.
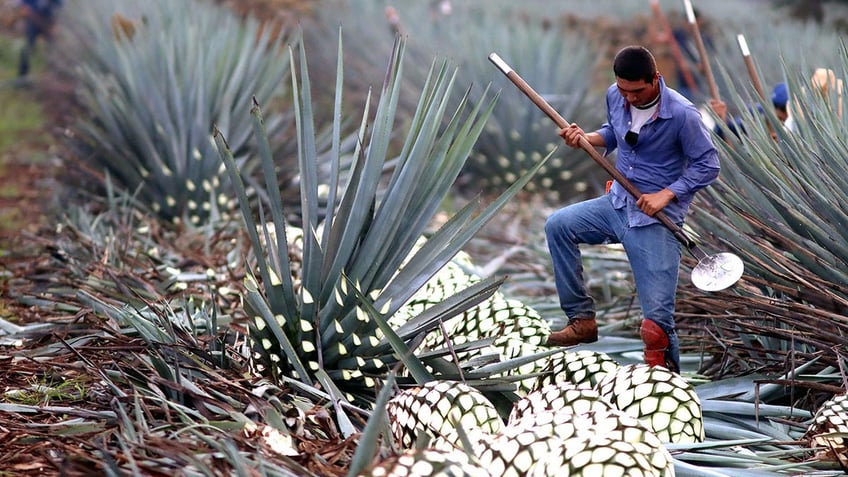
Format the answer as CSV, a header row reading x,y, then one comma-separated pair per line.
x,y
666,151
39,16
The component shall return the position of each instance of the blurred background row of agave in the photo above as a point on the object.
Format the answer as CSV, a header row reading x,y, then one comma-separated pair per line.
x,y
152,89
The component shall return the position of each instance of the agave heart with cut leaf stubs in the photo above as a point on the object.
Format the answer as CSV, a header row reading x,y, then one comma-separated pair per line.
x,y
661,399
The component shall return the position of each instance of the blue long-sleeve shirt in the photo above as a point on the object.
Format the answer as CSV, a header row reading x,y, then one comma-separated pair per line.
x,y
674,151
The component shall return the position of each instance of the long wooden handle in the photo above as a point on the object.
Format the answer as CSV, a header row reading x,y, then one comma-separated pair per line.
x,y
749,64
702,50
675,47
752,73
539,101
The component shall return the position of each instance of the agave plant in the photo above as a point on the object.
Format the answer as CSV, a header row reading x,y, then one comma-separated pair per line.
x,y
518,135
152,87
553,60
327,322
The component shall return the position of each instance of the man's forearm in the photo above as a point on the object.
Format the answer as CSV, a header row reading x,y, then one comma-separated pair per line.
x,y
596,139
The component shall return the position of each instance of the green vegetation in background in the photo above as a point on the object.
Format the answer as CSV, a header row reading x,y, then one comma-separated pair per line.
x,y
552,59
151,88
21,125
19,113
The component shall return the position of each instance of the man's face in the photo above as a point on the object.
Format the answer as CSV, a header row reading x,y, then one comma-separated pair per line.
x,y
638,93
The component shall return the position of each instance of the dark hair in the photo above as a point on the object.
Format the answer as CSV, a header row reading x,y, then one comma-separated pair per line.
x,y
634,63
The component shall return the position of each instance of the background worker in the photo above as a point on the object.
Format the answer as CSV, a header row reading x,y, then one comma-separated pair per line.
x,y
667,152
39,16
779,100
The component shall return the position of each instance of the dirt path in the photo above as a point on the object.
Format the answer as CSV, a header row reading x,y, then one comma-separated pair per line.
x,y
26,187
28,171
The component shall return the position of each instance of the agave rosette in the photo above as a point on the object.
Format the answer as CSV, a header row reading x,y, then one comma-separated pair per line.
x,y
361,258
152,97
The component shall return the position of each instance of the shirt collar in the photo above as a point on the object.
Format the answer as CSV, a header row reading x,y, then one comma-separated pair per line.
x,y
663,109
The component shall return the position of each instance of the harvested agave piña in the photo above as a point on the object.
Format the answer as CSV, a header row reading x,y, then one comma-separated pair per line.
x,y
598,455
562,398
428,463
830,426
545,439
663,400
437,407
582,368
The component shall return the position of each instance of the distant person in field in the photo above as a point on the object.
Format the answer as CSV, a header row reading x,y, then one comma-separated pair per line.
x,y
779,100
39,16
690,61
825,82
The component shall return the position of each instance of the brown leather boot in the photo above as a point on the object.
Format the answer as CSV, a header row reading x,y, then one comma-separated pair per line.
x,y
578,330
656,344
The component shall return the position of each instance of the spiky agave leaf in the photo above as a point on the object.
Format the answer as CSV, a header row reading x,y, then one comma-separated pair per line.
x,y
512,346
565,398
583,368
437,407
663,400
510,328
495,317
367,446
447,281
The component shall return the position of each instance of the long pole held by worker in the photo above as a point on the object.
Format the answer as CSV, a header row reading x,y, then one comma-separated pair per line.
x,y
749,64
752,72
675,47
702,50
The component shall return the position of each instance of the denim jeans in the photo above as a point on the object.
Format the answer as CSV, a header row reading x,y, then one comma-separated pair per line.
x,y
653,251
